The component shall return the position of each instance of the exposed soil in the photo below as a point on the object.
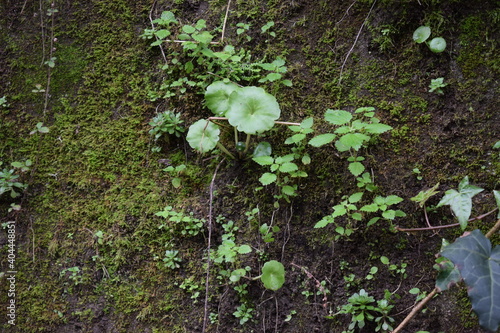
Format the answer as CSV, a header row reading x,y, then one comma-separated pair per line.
x,y
96,185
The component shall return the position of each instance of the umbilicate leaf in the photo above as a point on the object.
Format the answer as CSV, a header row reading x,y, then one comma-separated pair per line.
x,y
217,96
421,34
252,110
273,275
203,135
437,45
480,269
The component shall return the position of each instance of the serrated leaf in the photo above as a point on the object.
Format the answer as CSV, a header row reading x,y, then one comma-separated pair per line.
x,y
243,249
377,128
356,168
264,160
371,208
461,201
288,167
288,190
337,117
392,200
356,197
322,139
273,275
353,140
480,269
323,223
389,214
267,178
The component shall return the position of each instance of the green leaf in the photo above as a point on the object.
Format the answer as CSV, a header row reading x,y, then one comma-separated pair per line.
x,y
461,201
497,199
204,38
273,275
264,160
437,45
252,110
421,34
203,135
480,269
217,96
353,140
377,128
262,149
356,168
244,249
423,196
288,167
337,117
356,197
163,33
371,208
322,139
392,200
288,190
384,260
448,274
267,178
496,145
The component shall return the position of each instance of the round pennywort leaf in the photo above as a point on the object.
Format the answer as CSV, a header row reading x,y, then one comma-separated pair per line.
x,y
217,97
437,45
273,275
421,34
203,135
252,110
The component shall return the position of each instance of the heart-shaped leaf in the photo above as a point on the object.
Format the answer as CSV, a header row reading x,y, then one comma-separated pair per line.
x,y
421,34
217,97
252,110
480,269
273,275
203,135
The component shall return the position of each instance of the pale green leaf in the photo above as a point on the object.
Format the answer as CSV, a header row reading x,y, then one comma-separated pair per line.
x,y
322,139
267,178
356,168
337,117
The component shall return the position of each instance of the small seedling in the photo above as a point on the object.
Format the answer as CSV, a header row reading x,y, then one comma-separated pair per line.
x,y
422,34
436,85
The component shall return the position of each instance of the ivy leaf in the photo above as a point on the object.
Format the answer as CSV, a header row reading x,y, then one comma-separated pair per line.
x,y
448,275
461,201
480,269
